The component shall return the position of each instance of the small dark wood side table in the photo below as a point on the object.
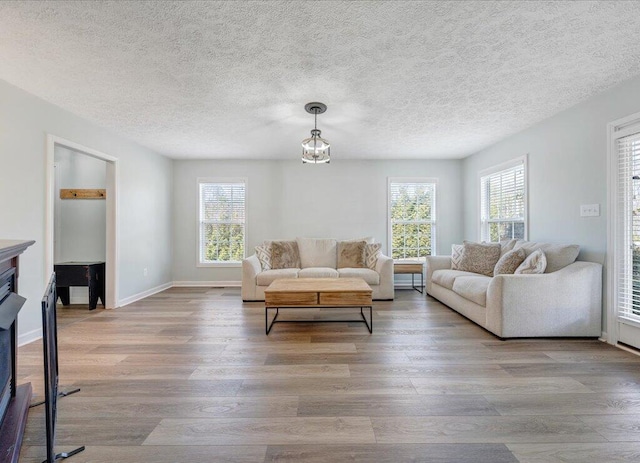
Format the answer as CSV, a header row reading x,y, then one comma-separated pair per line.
x,y
404,267
89,274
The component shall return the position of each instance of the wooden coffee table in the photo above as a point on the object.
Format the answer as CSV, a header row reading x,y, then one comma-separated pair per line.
x,y
290,293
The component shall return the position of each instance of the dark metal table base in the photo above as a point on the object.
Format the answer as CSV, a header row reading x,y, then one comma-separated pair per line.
x,y
268,325
421,282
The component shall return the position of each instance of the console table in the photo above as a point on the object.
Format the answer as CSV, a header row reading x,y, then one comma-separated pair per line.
x,y
89,274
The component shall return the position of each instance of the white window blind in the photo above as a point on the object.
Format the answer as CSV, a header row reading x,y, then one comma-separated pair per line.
x,y
412,213
222,222
628,227
502,204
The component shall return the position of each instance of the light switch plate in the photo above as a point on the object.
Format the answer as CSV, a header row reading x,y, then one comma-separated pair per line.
x,y
589,210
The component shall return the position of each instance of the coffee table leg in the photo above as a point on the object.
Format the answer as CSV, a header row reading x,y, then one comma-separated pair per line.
x,y
370,323
268,326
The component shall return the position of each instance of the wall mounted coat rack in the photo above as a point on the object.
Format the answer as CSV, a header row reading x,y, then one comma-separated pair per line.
x,y
86,193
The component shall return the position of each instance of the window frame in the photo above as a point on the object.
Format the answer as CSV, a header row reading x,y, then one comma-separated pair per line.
x,y
434,209
483,231
219,180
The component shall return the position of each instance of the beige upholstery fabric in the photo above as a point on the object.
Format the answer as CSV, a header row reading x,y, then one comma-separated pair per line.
x,y
534,264
370,276
479,257
509,262
269,276
318,272
284,254
506,246
264,256
316,252
456,255
446,277
473,288
351,254
371,253
558,255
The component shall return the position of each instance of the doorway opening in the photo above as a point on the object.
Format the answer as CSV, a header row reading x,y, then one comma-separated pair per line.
x,y
62,239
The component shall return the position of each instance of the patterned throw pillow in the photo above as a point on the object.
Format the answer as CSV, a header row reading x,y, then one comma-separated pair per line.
x,y
284,254
535,263
509,262
351,254
264,256
371,253
456,255
479,257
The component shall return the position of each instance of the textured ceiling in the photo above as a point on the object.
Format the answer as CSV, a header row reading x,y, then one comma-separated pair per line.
x,y
402,80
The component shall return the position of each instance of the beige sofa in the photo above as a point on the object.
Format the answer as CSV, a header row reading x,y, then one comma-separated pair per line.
x,y
318,259
565,301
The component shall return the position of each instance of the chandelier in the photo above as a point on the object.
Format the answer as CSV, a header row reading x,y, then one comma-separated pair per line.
x,y
315,149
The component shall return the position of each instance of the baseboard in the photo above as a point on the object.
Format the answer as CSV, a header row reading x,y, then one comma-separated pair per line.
x,y
604,337
30,336
210,284
142,295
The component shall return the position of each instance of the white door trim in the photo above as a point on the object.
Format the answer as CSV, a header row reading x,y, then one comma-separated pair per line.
x,y
112,244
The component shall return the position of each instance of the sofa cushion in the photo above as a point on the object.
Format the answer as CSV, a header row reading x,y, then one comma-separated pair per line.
x,y
269,276
509,262
370,276
473,288
351,254
263,253
558,255
371,253
479,257
315,252
446,277
535,263
456,255
318,272
284,254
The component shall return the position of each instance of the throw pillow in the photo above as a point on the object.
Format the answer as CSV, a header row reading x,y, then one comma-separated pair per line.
x,y
456,255
371,253
351,254
506,246
264,256
509,262
284,254
479,257
535,263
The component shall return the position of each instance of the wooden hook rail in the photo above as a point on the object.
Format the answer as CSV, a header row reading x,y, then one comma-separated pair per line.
x,y
80,193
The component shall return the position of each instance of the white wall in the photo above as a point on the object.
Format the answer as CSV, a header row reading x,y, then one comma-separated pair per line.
x,y
285,199
80,224
145,189
567,167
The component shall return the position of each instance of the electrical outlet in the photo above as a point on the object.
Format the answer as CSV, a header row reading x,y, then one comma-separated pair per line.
x,y
589,210
145,272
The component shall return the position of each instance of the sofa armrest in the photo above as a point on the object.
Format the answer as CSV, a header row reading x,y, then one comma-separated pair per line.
x,y
550,304
384,267
435,263
250,269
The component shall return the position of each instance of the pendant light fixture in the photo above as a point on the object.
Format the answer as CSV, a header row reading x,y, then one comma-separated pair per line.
x,y
315,149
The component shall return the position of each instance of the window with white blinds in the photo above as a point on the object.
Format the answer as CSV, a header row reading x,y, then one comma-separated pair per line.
x,y
222,221
503,203
412,218
628,226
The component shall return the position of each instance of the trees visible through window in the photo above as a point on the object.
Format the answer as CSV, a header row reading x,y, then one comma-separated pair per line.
x,y
222,221
503,203
412,217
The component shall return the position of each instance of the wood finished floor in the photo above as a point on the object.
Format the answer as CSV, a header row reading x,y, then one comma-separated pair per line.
x,y
188,375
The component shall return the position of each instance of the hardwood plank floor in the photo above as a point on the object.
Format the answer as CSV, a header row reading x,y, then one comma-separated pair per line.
x,y
188,375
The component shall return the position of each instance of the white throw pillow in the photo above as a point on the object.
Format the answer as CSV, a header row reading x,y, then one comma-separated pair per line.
x,y
371,253
456,255
316,252
264,256
534,264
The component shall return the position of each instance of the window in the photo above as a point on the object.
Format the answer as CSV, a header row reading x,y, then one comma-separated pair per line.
x,y
503,202
412,217
222,221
